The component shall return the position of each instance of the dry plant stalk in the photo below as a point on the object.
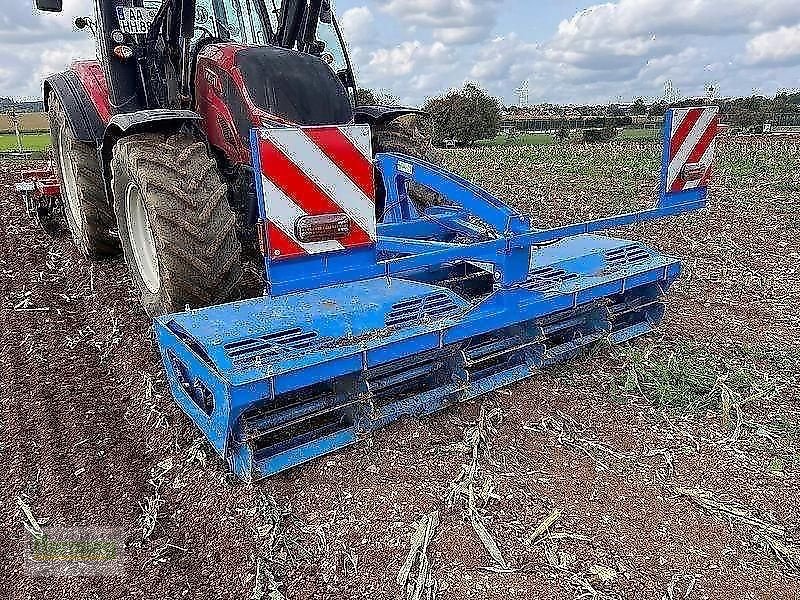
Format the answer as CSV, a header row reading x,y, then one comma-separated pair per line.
x,y
31,524
415,575
544,526
468,487
773,536
271,543
570,434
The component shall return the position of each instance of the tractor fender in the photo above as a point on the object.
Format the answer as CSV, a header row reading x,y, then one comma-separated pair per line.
x,y
377,116
82,115
140,121
143,120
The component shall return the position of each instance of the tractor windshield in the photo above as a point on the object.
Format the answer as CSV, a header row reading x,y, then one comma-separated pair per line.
x,y
243,21
333,51
255,22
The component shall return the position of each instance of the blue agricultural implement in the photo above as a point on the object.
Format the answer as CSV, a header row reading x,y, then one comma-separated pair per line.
x,y
436,306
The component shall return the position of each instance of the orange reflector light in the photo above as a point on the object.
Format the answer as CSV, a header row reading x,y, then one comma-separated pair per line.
x,y
123,52
322,228
693,171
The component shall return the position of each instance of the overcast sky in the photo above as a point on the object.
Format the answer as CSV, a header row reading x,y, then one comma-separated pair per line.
x,y
568,51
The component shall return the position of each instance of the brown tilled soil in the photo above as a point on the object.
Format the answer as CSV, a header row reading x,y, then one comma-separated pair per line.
x,y
668,469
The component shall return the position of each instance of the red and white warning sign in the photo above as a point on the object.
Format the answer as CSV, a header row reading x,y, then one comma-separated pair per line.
x,y
318,189
692,144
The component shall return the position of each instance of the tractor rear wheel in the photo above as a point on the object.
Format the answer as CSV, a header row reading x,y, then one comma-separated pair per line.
x,y
176,226
90,218
404,136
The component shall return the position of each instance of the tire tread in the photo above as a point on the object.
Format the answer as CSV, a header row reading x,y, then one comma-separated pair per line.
x,y
193,226
93,229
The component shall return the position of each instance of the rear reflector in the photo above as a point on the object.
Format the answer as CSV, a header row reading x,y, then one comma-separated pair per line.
x,y
123,52
693,171
322,228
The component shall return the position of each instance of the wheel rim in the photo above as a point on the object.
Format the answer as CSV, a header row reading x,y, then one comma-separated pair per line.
x,y
141,236
68,175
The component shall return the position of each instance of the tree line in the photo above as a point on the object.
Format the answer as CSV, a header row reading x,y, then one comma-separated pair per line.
x,y
463,116
9,105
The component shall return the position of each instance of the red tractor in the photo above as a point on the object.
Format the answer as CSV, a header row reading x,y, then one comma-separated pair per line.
x,y
152,140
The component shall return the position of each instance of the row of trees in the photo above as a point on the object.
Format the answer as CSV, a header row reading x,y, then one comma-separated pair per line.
x,y
458,116
9,104
469,114
755,109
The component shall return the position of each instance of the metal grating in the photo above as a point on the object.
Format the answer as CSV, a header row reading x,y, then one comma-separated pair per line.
x,y
547,280
627,255
271,344
433,306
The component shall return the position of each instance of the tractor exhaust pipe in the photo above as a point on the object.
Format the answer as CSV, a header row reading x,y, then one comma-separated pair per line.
x,y
187,25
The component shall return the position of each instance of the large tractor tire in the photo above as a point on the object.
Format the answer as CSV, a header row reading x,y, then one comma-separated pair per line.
x,y
176,226
404,136
90,218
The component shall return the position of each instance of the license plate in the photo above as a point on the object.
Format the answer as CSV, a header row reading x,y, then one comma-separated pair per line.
x,y
135,20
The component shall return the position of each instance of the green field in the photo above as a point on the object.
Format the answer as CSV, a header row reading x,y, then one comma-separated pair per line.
x,y
40,141
528,139
640,134
30,141
545,139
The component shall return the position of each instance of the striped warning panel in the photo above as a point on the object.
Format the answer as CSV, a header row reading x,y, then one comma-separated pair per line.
x,y
319,180
692,143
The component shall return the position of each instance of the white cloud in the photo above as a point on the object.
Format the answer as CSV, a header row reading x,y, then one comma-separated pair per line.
x,y
409,57
421,47
504,58
779,47
411,70
633,18
462,35
25,67
630,40
458,22
628,34
632,47
34,45
356,24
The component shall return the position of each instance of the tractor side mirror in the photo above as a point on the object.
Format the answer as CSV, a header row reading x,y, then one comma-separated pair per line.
x,y
50,5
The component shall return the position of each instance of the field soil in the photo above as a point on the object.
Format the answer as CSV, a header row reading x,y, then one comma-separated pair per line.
x,y
667,468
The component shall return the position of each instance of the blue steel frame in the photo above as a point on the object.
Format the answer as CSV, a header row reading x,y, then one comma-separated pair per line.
x,y
223,361
423,239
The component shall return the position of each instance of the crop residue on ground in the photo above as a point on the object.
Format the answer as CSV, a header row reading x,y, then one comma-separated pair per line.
x,y
664,469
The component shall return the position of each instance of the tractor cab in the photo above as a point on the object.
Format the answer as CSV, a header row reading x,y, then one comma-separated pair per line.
x,y
230,21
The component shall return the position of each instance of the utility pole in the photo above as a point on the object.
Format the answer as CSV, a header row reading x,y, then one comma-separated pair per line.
x,y
671,93
522,94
